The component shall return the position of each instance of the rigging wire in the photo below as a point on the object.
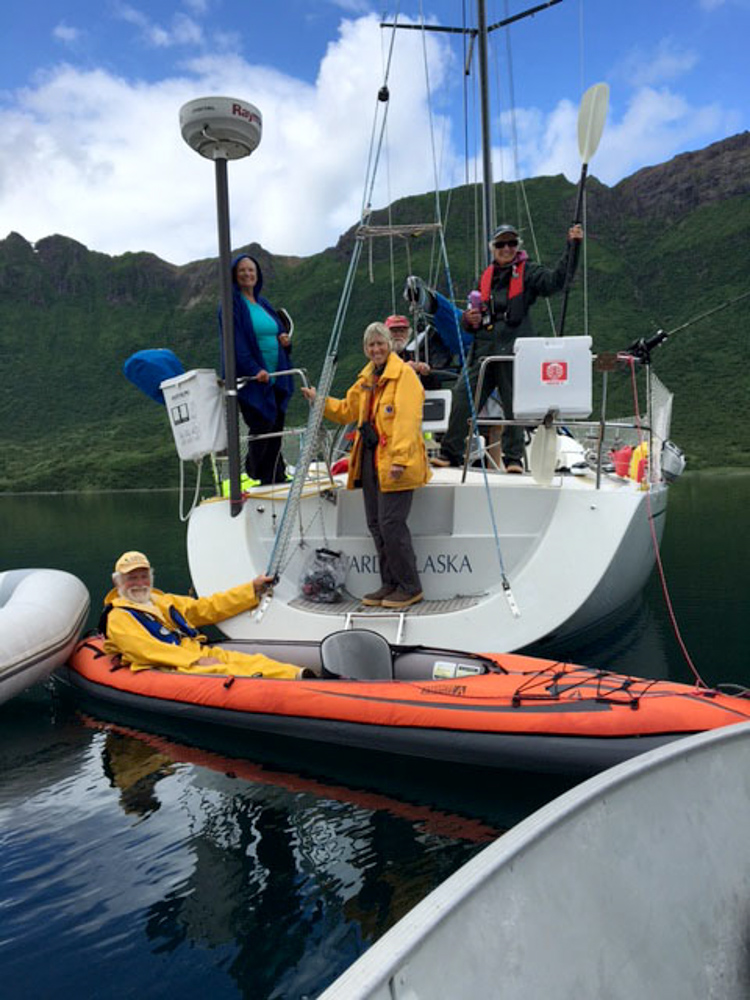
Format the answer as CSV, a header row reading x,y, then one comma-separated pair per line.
x,y
473,156
631,361
520,185
389,196
311,436
581,67
464,367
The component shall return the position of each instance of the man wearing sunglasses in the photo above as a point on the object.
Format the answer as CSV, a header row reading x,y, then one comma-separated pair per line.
x,y
507,290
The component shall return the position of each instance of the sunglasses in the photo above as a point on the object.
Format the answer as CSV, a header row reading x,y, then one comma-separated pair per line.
x,y
498,244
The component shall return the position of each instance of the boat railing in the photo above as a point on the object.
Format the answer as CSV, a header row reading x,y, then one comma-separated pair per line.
x,y
595,430
301,372
286,434
599,437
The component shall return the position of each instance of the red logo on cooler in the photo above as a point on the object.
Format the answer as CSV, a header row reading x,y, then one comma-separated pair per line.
x,y
554,372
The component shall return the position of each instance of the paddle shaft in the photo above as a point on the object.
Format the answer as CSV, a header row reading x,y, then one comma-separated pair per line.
x,y
574,249
591,118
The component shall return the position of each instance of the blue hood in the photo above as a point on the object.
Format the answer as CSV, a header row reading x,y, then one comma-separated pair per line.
x,y
259,283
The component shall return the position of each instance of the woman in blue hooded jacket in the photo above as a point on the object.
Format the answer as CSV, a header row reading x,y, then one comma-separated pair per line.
x,y
261,345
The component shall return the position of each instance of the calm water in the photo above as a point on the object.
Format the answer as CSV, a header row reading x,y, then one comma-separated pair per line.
x,y
186,863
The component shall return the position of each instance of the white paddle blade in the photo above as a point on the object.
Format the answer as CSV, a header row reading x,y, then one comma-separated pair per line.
x,y
543,455
591,118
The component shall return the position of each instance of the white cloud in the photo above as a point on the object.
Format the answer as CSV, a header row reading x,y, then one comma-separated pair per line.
x,y
665,61
186,31
183,30
103,160
352,6
100,158
64,33
653,127
546,144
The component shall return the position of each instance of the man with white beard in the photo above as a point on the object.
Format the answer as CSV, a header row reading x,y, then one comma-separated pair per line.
x,y
148,628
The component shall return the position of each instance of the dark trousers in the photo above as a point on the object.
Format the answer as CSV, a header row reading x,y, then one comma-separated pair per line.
x,y
386,515
264,460
497,375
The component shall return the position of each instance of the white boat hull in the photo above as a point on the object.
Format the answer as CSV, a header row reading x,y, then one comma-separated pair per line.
x,y
42,612
572,555
633,884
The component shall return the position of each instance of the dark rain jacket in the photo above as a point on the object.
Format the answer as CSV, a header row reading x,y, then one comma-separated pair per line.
x,y
511,319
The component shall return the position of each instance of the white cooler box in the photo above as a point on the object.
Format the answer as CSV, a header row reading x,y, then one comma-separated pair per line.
x,y
195,406
551,373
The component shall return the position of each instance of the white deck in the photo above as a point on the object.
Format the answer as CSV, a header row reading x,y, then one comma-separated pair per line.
x,y
572,554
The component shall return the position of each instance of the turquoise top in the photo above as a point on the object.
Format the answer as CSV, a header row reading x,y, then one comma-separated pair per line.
x,y
266,332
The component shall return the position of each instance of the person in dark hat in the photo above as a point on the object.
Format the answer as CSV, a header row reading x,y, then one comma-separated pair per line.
x,y
507,290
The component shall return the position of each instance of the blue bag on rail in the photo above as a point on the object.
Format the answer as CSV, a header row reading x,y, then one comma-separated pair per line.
x,y
149,368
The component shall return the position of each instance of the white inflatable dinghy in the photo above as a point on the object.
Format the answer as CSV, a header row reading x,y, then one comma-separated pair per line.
x,y
42,613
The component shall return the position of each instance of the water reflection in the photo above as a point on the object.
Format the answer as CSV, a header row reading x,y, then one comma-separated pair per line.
x,y
279,878
131,852
145,863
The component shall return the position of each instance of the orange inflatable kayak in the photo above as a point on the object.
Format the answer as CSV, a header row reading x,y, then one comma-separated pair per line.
x,y
501,710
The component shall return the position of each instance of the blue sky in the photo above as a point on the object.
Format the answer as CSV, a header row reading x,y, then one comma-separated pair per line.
x,y
90,94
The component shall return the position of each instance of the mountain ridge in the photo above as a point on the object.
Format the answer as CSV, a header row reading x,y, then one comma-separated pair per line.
x,y
69,316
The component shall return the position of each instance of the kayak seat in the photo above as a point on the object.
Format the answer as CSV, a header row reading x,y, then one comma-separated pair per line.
x,y
357,654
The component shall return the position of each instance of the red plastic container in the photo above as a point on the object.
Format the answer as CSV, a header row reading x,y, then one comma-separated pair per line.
x,y
621,459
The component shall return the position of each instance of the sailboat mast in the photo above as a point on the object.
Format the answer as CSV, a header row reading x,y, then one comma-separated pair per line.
x,y
481,32
488,188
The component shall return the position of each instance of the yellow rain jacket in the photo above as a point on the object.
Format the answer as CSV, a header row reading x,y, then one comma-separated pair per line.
x,y
153,645
394,407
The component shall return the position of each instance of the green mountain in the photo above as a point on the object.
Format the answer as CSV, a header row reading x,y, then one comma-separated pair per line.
x,y
665,245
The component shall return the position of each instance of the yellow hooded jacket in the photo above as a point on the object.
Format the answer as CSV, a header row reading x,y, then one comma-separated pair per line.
x,y
396,414
141,650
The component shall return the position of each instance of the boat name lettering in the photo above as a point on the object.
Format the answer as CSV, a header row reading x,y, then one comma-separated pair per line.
x,y
442,562
447,562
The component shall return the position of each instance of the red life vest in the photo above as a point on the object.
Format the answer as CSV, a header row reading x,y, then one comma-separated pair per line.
x,y
516,282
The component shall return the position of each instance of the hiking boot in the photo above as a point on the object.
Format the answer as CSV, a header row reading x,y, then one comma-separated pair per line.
x,y
514,468
400,599
440,462
375,599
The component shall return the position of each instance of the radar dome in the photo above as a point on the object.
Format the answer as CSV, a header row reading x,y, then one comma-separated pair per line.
x,y
221,127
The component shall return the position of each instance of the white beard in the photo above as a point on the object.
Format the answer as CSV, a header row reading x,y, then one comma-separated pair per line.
x,y
137,595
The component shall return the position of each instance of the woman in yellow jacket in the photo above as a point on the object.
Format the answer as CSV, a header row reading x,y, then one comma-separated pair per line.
x,y
388,460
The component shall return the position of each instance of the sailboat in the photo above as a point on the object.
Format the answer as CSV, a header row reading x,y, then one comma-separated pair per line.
x,y
505,561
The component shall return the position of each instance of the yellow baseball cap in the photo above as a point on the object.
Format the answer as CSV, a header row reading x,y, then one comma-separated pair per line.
x,y
131,560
